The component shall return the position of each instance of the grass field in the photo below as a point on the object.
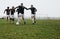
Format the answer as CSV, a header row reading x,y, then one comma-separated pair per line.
x,y
43,29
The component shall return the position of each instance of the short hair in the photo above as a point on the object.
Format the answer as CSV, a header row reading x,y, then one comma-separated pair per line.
x,y
21,3
12,6
7,7
31,5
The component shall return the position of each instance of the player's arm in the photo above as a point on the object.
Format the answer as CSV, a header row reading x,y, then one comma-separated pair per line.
x,y
4,10
35,10
25,8
16,10
29,8
16,7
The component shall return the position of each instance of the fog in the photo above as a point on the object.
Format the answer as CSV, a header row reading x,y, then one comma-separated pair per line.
x,y
45,8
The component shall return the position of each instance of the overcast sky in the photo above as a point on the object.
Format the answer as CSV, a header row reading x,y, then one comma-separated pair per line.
x,y
45,8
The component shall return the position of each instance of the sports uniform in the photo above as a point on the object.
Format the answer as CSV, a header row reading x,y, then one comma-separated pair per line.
x,y
20,10
7,13
33,12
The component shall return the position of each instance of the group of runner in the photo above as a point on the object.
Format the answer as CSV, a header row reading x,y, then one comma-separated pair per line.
x,y
20,12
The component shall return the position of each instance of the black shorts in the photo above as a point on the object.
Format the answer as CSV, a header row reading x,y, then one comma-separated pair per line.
x,y
20,12
8,14
32,13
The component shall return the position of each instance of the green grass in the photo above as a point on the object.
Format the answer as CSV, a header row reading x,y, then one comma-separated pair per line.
x,y
43,29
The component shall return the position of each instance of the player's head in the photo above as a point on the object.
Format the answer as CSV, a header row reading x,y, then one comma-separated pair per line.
x,y
21,4
7,7
12,7
31,5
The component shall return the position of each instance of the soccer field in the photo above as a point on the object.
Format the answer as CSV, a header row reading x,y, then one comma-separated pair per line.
x,y
43,29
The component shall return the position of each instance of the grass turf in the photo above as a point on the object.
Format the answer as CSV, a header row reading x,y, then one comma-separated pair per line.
x,y
43,29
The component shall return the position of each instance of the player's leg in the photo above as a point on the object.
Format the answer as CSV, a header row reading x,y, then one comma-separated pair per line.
x,y
23,18
12,18
18,19
19,16
32,17
7,17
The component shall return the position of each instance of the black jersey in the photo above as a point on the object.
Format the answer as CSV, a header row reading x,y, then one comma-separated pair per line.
x,y
12,11
33,10
7,11
20,9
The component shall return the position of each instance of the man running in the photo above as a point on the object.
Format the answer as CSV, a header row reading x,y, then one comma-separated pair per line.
x,y
33,10
12,11
7,13
20,10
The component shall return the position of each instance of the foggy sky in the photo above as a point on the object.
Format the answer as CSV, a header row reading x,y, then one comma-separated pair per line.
x,y
45,8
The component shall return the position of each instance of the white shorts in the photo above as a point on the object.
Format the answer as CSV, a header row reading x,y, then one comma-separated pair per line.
x,y
11,16
20,15
7,15
32,14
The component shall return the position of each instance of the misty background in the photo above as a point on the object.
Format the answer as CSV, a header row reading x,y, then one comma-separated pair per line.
x,y
45,8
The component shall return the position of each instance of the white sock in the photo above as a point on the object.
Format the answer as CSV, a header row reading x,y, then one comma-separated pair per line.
x,y
19,19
